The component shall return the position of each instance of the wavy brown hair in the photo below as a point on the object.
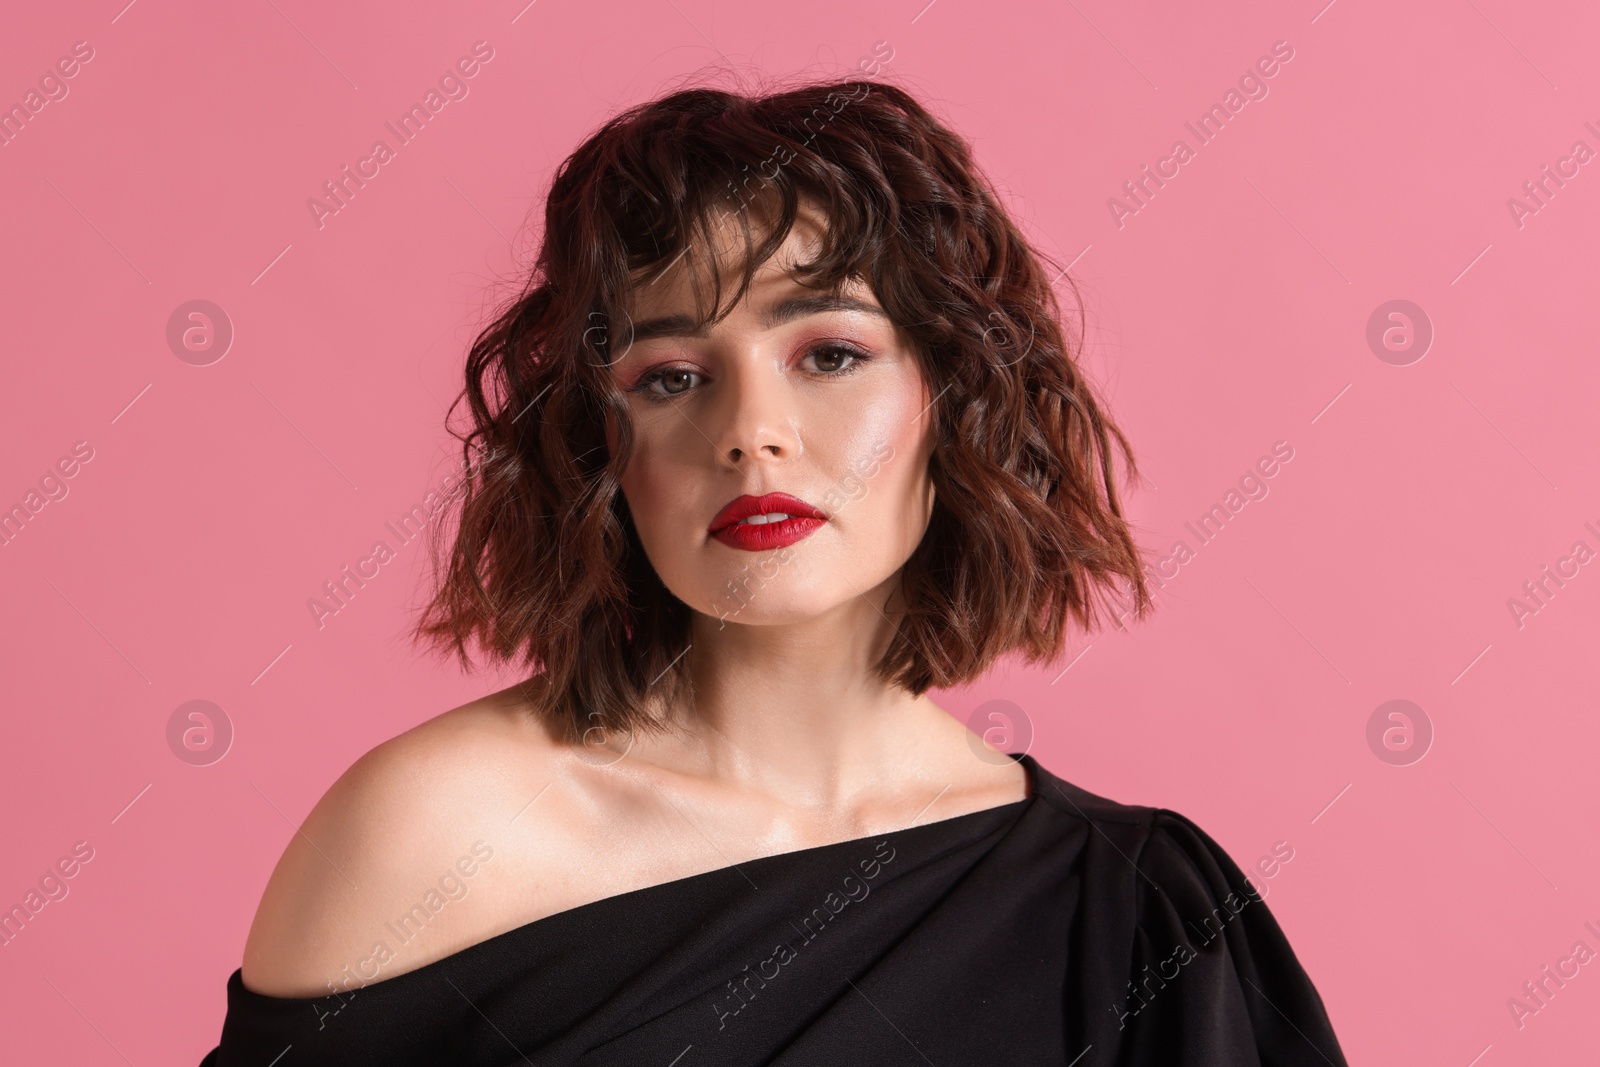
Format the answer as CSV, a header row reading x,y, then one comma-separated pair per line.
x,y
1026,534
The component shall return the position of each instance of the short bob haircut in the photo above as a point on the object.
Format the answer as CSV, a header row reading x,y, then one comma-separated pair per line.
x,y
546,565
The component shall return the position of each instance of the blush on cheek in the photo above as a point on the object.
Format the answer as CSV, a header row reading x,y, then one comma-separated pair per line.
x,y
902,421
897,443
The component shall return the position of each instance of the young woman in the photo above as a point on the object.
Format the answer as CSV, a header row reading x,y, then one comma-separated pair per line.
x,y
784,431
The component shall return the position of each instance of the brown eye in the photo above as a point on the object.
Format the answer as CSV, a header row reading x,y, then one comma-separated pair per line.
x,y
836,360
675,375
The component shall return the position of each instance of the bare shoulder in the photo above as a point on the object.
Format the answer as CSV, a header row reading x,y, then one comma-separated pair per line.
x,y
398,863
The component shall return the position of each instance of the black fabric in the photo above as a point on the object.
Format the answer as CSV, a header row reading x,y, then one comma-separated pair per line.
x,y
1064,929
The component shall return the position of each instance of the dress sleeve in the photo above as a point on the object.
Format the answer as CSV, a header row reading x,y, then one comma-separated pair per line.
x,y
1213,980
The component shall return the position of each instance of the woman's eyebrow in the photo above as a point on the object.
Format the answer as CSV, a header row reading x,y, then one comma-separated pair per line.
x,y
778,314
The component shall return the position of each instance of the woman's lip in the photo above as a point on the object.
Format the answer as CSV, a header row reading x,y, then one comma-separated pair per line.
x,y
763,537
743,507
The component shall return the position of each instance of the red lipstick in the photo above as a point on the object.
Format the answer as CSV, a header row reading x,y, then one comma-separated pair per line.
x,y
730,528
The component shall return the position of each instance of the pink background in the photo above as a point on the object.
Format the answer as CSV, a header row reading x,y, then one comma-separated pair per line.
x,y
1229,313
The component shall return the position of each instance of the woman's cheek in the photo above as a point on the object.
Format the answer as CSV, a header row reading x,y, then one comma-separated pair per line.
x,y
890,439
647,487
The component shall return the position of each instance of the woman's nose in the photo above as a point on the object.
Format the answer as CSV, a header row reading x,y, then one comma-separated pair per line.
x,y
757,417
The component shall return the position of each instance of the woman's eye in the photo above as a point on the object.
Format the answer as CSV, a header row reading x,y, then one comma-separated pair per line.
x,y
828,357
832,360
666,378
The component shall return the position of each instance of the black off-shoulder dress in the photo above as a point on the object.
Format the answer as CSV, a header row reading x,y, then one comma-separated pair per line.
x,y
1064,929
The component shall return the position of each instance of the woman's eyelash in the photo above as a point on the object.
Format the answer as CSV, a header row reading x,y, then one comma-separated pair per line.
x,y
645,384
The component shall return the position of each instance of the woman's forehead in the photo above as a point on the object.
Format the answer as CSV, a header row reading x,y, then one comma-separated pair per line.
x,y
673,291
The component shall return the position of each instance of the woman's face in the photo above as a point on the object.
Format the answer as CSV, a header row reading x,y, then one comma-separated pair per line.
x,y
824,403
